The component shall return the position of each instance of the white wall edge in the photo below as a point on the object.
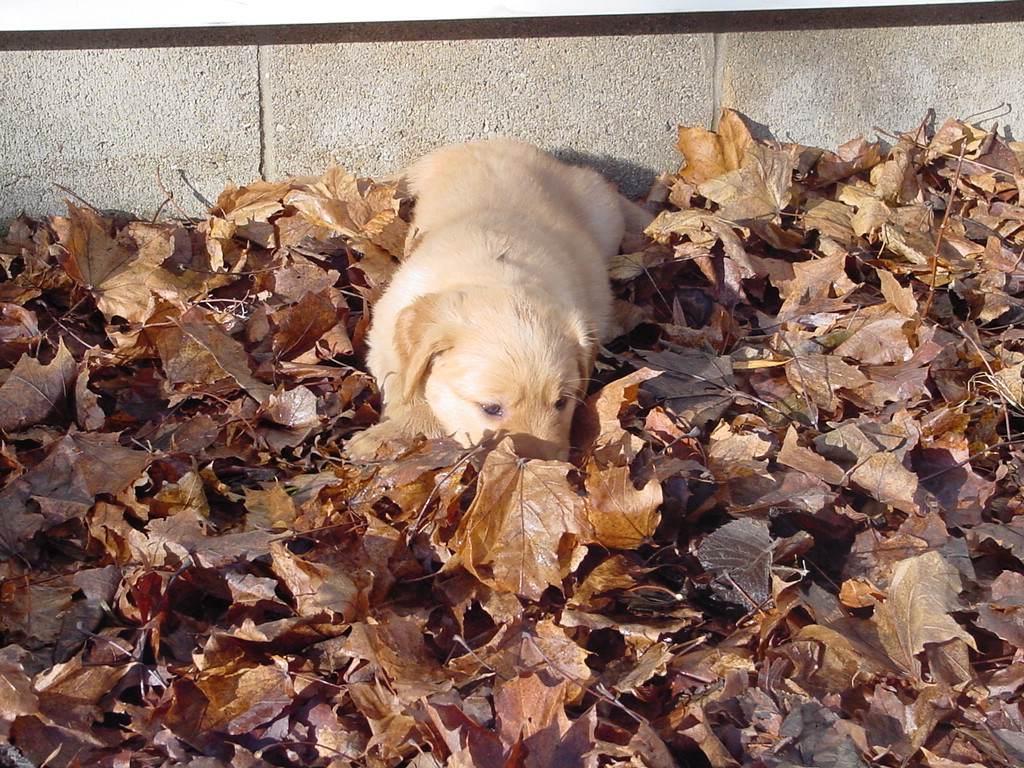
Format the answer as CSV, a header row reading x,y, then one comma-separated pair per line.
x,y
70,15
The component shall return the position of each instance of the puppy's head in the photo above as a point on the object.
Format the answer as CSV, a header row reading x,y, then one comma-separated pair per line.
x,y
492,364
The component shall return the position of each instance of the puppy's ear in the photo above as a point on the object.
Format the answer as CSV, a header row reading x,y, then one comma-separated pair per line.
x,y
589,346
423,330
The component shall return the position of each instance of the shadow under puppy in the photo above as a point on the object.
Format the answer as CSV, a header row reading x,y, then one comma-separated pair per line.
x,y
491,326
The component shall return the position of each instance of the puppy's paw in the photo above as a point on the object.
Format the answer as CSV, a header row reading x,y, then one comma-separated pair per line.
x,y
403,423
363,446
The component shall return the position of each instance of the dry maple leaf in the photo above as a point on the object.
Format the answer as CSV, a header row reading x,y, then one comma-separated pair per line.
x,y
713,154
922,592
202,352
1003,614
697,386
761,188
792,454
34,391
241,697
395,648
530,711
883,476
523,528
121,271
599,424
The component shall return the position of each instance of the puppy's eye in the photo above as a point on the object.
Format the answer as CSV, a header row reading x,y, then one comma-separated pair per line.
x,y
491,409
561,402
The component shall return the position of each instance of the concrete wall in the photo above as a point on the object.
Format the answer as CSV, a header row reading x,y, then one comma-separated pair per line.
x,y
116,118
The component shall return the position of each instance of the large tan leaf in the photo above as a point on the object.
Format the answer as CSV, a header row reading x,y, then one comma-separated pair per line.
x,y
197,352
709,155
530,716
820,377
122,271
600,418
521,532
922,592
242,696
394,646
759,189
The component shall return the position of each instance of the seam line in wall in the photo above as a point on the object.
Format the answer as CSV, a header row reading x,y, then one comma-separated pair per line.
x,y
261,108
717,76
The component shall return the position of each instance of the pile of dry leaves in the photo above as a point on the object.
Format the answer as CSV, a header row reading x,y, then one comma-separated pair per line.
x,y
792,533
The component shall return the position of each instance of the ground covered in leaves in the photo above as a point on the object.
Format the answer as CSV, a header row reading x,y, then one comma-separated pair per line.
x,y
792,533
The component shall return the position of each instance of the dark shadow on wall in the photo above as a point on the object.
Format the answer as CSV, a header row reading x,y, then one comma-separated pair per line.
x,y
576,26
634,180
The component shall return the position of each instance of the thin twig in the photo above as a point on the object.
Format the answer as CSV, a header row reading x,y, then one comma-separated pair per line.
x,y
77,197
941,236
170,199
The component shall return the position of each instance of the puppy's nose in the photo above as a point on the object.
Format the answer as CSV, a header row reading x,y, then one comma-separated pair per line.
x,y
533,447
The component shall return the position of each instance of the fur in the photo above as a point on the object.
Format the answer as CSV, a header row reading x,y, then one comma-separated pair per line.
x,y
491,326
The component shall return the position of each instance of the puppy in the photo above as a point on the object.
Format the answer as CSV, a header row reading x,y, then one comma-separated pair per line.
x,y
491,326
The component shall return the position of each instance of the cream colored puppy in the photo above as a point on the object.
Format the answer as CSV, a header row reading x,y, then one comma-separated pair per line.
x,y
492,324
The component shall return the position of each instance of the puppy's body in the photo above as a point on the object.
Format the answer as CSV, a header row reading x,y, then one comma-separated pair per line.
x,y
492,324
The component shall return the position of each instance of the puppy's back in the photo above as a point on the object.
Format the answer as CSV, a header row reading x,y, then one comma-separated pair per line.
x,y
505,180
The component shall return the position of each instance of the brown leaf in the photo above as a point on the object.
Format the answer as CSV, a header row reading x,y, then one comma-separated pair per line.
x,y
599,421
204,354
33,611
860,593
1008,535
821,283
522,529
695,385
884,340
526,706
709,155
737,453
852,157
469,743
394,647
33,391
870,214
318,589
895,179
529,716
738,555
256,202
758,191
302,324
122,271
1003,613
807,461
831,219
621,516
293,408
242,697
19,330
902,299
922,592
616,573
19,698
883,477
820,377
363,210
833,662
